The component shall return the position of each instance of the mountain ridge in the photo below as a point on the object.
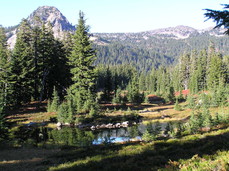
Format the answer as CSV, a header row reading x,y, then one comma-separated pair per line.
x,y
145,49
61,24
163,44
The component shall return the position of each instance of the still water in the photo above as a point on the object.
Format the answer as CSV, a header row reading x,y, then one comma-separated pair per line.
x,y
68,136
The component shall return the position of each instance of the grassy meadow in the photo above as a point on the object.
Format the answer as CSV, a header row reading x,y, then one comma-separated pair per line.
x,y
206,150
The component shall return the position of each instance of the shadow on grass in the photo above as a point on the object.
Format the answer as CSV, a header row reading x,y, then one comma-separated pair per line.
x,y
130,156
152,157
34,107
126,106
29,158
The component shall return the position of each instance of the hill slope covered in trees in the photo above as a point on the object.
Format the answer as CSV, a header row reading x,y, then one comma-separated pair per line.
x,y
142,49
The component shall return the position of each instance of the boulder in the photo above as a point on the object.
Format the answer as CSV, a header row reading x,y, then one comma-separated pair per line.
x,y
59,124
125,124
103,126
118,125
93,127
109,125
67,124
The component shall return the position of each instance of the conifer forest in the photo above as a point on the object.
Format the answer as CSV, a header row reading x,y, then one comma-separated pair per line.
x,y
70,103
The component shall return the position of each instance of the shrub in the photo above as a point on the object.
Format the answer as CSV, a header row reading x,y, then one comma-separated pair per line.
x,y
93,112
191,102
54,104
194,123
148,136
177,106
117,99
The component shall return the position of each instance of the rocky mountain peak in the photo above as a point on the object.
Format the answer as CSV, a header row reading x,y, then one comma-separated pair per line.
x,y
54,16
46,14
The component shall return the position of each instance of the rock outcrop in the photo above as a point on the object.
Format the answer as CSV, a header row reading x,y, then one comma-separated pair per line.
x,y
47,14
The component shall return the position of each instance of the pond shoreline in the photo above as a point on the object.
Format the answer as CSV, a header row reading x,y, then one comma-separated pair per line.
x,y
93,126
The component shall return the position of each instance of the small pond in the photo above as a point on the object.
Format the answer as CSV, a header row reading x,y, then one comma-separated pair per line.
x,y
70,136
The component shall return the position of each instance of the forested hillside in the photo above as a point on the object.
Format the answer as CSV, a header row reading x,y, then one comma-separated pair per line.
x,y
144,50
154,48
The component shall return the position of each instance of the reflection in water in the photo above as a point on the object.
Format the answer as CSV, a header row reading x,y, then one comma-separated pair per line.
x,y
116,135
71,137
68,136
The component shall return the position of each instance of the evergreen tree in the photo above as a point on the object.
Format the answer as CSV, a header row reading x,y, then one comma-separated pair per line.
x,y
184,70
117,99
191,102
207,119
193,77
52,64
107,84
202,70
214,71
204,101
152,87
176,79
142,82
193,82
63,114
220,17
134,95
4,68
68,43
177,106
54,103
148,136
36,45
60,73
194,123
48,62
162,80
23,65
82,69
38,64
169,94
2,118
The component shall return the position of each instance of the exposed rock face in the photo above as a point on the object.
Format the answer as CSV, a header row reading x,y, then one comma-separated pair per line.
x,y
179,32
54,16
47,14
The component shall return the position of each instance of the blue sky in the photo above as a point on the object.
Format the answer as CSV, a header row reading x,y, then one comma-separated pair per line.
x,y
118,15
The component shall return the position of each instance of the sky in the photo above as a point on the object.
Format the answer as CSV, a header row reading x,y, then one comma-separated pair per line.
x,y
118,15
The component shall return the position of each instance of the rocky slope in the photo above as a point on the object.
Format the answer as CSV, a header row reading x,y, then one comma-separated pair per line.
x,y
46,14
177,33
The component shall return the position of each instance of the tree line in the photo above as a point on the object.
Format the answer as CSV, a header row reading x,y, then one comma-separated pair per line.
x,y
41,67
196,71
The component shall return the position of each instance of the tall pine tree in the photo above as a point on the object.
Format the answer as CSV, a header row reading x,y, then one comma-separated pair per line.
x,y
23,65
4,67
82,69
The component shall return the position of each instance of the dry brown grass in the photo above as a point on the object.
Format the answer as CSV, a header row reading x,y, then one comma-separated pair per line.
x,y
163,113
166,113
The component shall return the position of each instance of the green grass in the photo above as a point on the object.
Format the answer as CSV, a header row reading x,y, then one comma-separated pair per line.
x,y
217,161
190,152
151,156
201,151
